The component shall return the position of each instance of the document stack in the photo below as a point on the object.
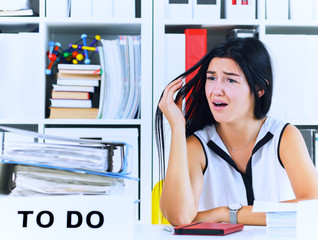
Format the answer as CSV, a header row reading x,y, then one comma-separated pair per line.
x,y
281,218
79,167
76,92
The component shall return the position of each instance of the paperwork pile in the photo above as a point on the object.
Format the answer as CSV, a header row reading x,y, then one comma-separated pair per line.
x,y
71,167
281,218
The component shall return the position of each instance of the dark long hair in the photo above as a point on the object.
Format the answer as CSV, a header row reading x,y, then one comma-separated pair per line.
x,y
254,60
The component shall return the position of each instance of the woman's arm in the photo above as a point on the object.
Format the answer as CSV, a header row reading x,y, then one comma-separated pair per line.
x,y
222,214
184,178
299,167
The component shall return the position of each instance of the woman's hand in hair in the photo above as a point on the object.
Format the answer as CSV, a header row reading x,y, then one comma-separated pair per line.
x,y
172,110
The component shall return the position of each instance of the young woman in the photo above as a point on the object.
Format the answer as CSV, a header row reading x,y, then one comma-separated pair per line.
x,y
225,151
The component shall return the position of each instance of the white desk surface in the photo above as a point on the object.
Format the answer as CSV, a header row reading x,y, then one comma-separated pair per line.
x,y
157,232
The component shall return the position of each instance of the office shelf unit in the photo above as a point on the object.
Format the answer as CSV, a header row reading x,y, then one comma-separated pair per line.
x,y
294,97
23,84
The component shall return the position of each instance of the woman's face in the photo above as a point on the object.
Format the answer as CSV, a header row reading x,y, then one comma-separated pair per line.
x,y
227,91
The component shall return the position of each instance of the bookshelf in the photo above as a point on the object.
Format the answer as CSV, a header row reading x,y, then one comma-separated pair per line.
x,y
295,100
25,100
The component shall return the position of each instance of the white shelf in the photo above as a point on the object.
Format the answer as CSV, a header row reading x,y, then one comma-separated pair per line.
x,y
93,121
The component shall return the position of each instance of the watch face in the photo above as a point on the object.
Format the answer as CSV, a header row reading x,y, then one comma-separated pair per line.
x,y
235,206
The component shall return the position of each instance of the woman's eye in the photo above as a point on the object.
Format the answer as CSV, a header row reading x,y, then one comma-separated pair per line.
x,y
231,80
211,78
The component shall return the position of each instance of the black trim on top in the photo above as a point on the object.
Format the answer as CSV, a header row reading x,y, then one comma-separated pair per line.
x,y
247,176
262,142
219,151
206,158
280,138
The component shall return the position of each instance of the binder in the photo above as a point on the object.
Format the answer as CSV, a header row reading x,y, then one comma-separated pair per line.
x,y
240,9
206,9
277,10
102,9
301,10
70,157
196,48
178,9
57,8
81,8
124,9
315,9
174,56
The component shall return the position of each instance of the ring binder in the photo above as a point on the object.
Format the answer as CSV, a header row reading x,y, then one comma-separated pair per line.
x,y
7,178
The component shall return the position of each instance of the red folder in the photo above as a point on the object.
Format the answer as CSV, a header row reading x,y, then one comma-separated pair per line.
x,y
199,228
196,47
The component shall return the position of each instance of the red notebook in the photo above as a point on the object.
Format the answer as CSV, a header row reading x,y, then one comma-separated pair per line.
x,y
200,228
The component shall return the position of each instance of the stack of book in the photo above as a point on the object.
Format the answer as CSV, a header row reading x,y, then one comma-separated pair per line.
x,y
76,92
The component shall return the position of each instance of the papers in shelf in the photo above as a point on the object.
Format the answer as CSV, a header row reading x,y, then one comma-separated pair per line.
x,y
120,81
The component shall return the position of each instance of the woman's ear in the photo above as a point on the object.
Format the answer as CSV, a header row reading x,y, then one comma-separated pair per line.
x,y
260,92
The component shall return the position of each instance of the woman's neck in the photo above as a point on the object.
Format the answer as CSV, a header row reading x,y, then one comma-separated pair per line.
x,y
239,135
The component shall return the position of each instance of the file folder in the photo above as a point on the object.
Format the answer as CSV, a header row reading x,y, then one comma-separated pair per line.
x,y
277,10
206,9
196,47
178,9
240,9
102,9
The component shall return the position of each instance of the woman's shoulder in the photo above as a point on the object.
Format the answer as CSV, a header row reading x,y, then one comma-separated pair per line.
x,y
274,125
206,132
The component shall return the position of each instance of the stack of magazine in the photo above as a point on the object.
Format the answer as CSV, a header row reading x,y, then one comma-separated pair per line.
x,y
79,167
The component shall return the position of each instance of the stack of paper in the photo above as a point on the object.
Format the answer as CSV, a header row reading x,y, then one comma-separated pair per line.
x,y
281,218
120,81
78,167
45,181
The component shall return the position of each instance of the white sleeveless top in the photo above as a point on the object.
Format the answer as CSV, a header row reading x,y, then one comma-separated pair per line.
x,y
265,177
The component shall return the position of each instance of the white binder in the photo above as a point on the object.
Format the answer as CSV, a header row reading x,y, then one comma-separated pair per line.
x,y
102,9
124,9
178,9
277,10
301,10
206,9
242,10
81,8
57,8
174,55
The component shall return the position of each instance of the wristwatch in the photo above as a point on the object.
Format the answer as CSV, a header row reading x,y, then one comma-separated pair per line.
x,y
233,211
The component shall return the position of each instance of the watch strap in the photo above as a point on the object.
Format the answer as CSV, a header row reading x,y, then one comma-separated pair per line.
x,y
233,216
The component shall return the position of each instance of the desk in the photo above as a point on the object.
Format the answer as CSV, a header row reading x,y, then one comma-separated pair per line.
x,y
156,232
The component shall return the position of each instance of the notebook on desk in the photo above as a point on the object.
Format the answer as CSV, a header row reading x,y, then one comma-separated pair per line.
x,y
200,228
